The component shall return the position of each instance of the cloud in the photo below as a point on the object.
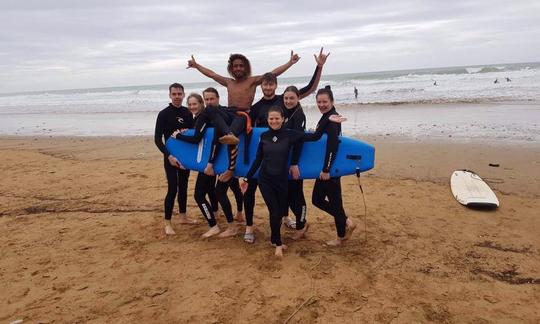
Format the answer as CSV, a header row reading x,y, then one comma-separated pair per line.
x,y
67,44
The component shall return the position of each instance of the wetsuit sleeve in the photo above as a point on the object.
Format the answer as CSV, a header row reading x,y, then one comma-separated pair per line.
x,y
200,128
312,137
254,115
299,124
158,134
332,143
257,163
214,150
306,90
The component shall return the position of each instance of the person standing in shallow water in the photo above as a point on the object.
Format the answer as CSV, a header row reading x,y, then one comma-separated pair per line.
x,y
355,93
173,117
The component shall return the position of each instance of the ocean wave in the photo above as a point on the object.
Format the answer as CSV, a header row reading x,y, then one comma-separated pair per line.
x,y
434,102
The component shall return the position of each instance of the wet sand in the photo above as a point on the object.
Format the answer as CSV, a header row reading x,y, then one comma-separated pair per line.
x,y
82,240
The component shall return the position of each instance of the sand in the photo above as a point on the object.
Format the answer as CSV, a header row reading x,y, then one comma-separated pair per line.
x,y
82,240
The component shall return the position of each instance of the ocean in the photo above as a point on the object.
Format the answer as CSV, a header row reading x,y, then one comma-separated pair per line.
x,y
465,104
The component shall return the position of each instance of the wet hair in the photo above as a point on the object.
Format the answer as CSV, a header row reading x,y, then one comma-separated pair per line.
x,y
327,91
176,85
269,77
211,90
198,97
275,109
241,57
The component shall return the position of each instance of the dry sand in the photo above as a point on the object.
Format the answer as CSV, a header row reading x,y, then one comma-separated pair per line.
x,y
82,240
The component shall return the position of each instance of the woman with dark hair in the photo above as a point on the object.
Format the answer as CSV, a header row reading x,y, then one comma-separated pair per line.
x,y
327,191
296,120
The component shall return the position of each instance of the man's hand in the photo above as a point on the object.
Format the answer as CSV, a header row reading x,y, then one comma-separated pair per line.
x,y
324,176
191,63
295,172
175,163
321,58
294,58
209,170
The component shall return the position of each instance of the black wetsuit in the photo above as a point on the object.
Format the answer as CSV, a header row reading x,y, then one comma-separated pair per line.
x,y
273,160
169,120
296,120
327,193
227,121
205,184
259,115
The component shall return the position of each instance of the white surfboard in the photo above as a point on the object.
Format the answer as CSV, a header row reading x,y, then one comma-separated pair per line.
x,y
470,190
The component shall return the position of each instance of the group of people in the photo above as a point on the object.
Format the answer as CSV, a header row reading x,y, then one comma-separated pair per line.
x,y
285,120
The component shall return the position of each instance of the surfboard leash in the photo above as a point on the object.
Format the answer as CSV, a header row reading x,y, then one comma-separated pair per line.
x,y
364,200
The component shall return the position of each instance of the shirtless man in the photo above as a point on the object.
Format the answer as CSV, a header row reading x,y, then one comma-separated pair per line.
x,y
241,93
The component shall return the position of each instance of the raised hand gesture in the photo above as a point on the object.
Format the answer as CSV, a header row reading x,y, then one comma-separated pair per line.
x,y
321,58
294,58
191,63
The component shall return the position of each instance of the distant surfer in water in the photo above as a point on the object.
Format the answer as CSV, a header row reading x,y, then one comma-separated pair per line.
x,y
496,81
173,117
355,93
241,92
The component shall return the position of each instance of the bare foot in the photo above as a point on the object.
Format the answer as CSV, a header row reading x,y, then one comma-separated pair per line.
x,y
232,230
350,229
239,217
168,228
229,139
335,242
279,250
211,232
300,233
226,176
183,219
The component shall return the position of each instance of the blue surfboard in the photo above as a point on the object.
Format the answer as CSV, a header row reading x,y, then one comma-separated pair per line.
x,y
351,154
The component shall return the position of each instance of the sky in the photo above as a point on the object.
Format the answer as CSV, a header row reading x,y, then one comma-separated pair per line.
x,y
69,44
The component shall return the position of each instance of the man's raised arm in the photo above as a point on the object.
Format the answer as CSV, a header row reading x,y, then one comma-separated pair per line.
x,y
209,73
280,69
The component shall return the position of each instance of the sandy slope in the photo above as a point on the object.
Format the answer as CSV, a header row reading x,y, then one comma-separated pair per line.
x,y
81,240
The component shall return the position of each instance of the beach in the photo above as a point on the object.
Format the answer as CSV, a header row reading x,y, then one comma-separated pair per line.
x,y
81,230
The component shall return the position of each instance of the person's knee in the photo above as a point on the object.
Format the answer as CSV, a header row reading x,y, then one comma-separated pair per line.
x,y
317,201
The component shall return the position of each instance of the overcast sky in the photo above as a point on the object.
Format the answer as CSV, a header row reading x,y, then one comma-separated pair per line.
x,y
66,44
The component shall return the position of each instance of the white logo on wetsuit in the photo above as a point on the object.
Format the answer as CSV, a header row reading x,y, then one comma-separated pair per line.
x,y
274,139
180,119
